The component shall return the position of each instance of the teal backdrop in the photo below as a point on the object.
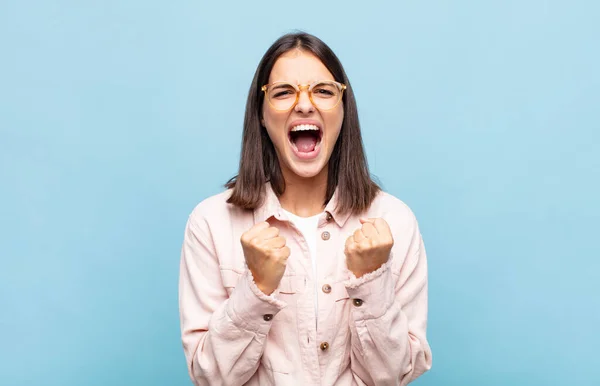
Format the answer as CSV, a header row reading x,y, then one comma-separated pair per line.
x,y
118,117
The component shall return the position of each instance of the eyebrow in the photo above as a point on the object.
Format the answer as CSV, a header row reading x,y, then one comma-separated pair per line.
x,y
297,83
282,85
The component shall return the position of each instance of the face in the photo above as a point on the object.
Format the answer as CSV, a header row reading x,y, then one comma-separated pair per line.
x,y
304,137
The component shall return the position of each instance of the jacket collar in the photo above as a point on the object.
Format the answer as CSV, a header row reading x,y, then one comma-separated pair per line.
x,y
271,207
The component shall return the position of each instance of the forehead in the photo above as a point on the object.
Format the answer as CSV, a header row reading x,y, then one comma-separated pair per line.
x,y
299,67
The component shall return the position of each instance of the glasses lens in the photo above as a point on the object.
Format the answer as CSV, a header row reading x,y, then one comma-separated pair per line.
x,y
282,96
326,95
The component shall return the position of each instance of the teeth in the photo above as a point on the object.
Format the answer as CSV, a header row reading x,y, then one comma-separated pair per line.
x,y
305,128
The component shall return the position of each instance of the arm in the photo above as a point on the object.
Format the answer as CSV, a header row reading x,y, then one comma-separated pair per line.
x,y
388,328
223,338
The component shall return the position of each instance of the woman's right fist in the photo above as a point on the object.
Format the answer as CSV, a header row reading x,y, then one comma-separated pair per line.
x,y
266,255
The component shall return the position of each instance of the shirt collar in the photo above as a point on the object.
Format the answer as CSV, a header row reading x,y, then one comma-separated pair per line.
x,y
270,206
331,208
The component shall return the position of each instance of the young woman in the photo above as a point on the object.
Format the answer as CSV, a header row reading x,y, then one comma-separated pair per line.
x,y
303,272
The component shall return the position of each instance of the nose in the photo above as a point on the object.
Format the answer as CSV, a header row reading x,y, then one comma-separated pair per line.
x,y
304,104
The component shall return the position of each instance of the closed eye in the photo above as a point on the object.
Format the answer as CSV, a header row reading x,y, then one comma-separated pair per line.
x,y
279,94
323,91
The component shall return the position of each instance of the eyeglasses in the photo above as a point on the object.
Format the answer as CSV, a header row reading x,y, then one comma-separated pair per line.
x,y
323,94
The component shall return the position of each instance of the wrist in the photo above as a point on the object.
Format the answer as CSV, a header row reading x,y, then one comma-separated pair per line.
x,y
267,290
357,272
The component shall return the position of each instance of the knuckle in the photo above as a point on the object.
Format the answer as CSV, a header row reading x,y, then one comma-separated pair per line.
x,y
383,224
283,253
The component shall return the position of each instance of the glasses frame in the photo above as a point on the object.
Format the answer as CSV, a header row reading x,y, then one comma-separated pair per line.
x,y
308,87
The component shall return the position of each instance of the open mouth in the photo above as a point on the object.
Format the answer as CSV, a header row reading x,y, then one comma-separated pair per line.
x,y
305,138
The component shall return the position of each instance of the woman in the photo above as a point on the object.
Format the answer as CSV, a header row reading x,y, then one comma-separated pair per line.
x,y
303,272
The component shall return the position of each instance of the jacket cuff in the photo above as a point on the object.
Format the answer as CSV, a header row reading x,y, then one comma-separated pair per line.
x,y
250,309
371,294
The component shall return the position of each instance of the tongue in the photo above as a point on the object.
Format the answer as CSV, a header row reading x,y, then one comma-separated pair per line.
x,y
306,143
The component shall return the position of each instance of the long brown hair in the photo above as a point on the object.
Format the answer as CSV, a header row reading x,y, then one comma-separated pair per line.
x,y
348,171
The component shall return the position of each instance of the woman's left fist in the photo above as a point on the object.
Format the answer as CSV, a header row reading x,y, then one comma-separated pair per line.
x,y
369,247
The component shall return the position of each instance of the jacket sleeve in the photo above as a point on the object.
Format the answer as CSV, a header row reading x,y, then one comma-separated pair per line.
x,y
388,323
223,337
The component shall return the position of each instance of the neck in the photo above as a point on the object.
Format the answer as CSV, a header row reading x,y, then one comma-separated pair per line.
x,y
304,197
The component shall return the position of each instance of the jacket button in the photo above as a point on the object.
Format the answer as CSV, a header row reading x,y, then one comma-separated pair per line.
x,y
325,235
268,317
324,346
357,302
326,288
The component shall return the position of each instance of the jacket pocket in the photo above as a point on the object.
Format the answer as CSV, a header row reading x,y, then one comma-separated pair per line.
x,y
230,278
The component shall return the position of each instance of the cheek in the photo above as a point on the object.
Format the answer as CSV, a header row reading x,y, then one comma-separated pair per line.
x,y
274,124
274,135
335,120
265,116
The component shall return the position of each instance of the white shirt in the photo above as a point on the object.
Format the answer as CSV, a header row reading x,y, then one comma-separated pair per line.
x,y
308,226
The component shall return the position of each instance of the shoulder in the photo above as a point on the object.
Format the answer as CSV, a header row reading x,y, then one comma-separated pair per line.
x,y
216,203
214,209
387,204
394,211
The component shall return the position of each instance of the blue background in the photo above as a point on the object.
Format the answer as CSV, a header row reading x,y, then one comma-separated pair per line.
x,y
117,118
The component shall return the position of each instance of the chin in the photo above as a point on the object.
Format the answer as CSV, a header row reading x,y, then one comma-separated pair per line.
x,y
307,170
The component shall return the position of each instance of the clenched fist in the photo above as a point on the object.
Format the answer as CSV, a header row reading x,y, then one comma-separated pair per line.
x,y
369,247
266,255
